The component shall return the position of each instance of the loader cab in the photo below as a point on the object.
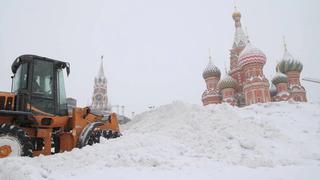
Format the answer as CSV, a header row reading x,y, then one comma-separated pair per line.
x,y
38,83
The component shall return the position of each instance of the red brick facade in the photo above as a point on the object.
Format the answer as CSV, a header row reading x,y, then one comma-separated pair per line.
x,y
245,83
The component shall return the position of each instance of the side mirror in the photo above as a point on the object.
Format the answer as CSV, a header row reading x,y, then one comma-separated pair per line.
x,y
68,68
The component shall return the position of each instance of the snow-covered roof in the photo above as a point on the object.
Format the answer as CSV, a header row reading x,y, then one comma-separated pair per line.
x,y
279,77
240,38
251,54
227,82
211,70
288,62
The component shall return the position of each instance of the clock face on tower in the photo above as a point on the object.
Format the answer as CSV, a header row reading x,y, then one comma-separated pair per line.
x,y
98,97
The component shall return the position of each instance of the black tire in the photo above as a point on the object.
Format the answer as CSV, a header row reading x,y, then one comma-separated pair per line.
x,y
116,135
107,134
56,143
95,137
90,135
18,136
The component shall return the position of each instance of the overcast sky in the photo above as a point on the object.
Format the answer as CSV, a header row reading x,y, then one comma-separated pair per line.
x,y
154,51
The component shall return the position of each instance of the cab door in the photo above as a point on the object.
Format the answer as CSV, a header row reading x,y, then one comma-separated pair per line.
x,y
42,88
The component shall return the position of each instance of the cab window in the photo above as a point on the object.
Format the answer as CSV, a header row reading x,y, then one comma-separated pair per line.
x,y
20,78
42,82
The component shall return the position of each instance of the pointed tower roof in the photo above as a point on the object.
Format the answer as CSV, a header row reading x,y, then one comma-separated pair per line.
x,y
101,70
240,38
286,55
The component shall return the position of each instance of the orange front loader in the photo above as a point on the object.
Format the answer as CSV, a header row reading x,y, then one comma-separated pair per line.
x,y
34,117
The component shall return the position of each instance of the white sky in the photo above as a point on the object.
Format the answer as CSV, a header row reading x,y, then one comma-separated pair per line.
x,y
155,51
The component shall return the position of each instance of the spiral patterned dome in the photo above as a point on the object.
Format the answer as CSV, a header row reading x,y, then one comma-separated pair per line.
x,y
227,82
211,71
273,90
251,54
279,78
289,63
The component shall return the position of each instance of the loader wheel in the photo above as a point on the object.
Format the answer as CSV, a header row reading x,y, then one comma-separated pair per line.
x,y
14,142
116,135
94,137
107,134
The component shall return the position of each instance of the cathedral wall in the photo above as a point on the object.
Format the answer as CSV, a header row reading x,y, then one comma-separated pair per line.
x,y
211,100
228,95
282,87
293,77
299,96
256,93
212,82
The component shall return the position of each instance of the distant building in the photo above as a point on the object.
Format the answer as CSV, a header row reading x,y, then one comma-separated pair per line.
x,y
287,79
123,119
100,103
72,103
245,82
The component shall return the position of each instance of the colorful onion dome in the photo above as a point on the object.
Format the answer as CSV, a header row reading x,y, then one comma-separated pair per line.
x,y
273,90
279,78
211,71
288,62
236,13
227,82
251,54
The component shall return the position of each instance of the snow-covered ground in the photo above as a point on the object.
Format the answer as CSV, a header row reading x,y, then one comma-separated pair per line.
x,y
184,141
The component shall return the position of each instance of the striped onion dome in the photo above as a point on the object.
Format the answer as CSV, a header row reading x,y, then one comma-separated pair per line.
x,y
279,77
211,71
251,54
273,90
227,82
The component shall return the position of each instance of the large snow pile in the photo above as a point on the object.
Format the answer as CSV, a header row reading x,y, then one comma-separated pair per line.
x,y
180,135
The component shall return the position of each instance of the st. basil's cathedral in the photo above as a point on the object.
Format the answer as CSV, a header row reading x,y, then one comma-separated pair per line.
x,y
245,82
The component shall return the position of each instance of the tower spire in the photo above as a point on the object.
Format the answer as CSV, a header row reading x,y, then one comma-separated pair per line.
x,y
210,55
236,15
101,70
284,44
240,38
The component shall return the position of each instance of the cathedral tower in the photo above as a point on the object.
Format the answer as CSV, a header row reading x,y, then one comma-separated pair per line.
x,y
239,43
292,68
211,75
280,81
227,87
100,99
255,84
